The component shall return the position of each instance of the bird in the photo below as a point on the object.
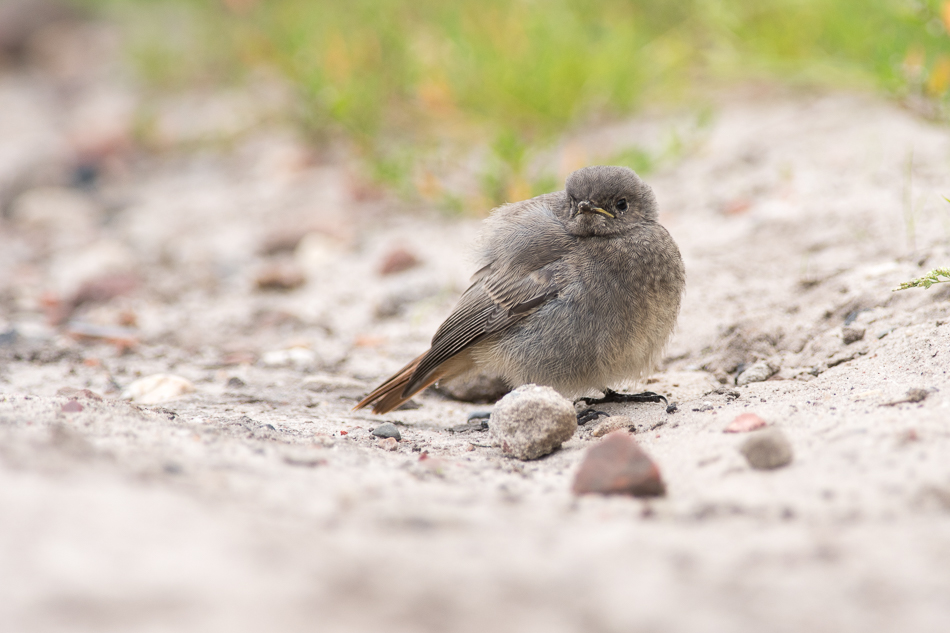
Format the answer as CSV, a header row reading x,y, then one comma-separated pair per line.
x,y
577,290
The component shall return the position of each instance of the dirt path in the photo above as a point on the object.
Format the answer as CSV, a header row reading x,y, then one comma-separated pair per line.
x,y
243,505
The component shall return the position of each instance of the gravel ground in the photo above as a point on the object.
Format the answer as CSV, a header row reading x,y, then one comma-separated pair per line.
x,y
252,268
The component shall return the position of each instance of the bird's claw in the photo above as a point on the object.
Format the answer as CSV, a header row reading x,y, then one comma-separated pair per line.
x,y
590,415
613,396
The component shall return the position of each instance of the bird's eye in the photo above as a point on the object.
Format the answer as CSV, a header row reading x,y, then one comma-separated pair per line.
x,y
622,204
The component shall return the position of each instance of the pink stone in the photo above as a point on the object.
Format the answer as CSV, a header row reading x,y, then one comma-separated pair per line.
x,y
618,465
745,423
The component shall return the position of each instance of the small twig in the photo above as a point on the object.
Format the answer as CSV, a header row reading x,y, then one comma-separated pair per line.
x,y
931,278
913,395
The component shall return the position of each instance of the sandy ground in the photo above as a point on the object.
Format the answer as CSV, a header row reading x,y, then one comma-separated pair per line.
x,y
243,505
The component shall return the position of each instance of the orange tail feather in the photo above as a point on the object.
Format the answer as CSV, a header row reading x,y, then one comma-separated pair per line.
x,y
390,394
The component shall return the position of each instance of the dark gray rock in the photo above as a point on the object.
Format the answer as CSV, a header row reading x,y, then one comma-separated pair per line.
x,y
387,430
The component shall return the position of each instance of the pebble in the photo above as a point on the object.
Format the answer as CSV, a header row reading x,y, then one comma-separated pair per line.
x,y
398,260
767,449
280,276
851,334
757,372
71,407
388,443
478,388
315,250
745,423
532,421
9,337
617,465
281,241
387,430
157,388
611,424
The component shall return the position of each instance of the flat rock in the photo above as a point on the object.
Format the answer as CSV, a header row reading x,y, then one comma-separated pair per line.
x,y
767,449
157,388
532,421
618,466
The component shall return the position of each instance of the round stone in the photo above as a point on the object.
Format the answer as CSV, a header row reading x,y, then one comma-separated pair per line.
x,y
532,421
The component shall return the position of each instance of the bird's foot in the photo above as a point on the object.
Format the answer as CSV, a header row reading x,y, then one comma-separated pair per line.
x,y
613,396
589,415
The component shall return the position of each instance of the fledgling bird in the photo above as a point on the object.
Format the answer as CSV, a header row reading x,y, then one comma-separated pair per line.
x,y
578,290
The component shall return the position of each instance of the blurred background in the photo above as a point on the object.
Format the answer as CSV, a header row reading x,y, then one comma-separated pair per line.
x,y
467,104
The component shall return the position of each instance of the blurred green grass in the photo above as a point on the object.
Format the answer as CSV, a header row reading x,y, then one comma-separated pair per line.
x,y
404,79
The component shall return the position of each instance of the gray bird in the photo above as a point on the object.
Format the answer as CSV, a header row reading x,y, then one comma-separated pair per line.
x,y
578,290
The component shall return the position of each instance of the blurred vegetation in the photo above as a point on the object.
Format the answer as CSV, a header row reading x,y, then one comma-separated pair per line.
x,y
405,79
935,276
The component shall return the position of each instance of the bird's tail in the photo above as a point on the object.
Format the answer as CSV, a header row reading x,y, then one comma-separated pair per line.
x,y
391,393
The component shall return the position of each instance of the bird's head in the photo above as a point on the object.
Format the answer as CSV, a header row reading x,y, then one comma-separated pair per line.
x,y
606,200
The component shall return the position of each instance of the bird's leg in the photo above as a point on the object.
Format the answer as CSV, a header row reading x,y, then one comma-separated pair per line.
x,y
611,396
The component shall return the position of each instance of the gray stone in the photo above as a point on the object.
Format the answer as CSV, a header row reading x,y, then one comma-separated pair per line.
x,y
387,430
852,334
757,372
479,388
767,449
532,421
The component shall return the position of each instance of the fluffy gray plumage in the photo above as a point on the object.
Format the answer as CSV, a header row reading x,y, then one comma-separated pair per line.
x,y
578,290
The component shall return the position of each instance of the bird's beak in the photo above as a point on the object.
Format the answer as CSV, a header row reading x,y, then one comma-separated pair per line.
x,y
586,207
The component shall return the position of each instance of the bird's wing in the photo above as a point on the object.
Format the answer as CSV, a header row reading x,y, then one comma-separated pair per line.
x,y
498,298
